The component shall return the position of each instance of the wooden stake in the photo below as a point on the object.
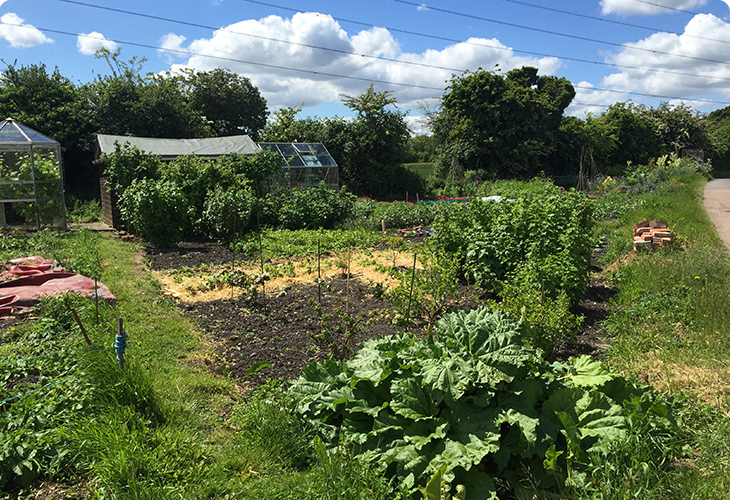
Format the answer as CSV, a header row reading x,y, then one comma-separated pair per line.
x,y
83,330
413,280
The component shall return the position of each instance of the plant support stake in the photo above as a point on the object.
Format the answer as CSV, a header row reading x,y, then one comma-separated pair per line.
x,y
83,330
319,272
120,344
410,294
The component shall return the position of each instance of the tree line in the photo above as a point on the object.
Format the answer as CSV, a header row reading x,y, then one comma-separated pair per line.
x,y
509,125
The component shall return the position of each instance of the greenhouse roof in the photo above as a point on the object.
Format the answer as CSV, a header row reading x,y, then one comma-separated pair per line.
x,y
169,149
300,154
12,132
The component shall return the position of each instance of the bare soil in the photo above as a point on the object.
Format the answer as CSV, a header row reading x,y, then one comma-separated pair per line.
x,y
277,328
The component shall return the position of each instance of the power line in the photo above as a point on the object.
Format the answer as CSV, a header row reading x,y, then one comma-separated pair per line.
x,y
613,21
502,48
661,6
312,72
229,59
260,37
557,33
397,61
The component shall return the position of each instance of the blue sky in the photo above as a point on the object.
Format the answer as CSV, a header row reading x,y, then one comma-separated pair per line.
x,y
311,52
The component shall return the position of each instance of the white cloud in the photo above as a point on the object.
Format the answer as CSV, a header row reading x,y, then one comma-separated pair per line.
x,y
89,43
289,74
645,8
2,2
693,63
19,34
172,42
727,2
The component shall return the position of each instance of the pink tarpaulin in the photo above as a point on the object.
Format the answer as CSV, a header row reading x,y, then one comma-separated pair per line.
x,y
30,279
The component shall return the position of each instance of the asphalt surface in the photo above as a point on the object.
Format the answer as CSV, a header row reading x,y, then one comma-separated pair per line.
x,y
717,204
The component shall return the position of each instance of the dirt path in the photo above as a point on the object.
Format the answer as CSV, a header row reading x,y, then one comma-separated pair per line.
x,y
717,204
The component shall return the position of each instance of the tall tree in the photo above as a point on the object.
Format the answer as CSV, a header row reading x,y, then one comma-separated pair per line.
x,y
679,127
504,125
378,144
230,103
634,135
127,103
51,104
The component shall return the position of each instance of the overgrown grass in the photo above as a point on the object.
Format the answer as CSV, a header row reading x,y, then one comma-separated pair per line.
x,y
165,426
672,327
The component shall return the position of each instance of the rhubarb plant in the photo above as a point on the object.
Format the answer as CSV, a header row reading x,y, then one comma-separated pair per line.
x,y
476,403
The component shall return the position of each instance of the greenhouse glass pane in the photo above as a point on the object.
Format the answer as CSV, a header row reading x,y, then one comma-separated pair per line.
x,y
326,161
287,150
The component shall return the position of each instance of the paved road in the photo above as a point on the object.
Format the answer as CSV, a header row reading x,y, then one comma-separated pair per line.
x,y
717,204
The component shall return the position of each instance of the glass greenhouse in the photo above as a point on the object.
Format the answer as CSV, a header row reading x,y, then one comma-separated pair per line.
x,y
304,165
31,178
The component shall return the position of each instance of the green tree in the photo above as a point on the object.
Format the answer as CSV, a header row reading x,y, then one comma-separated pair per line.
x,y
718,131
680,127
504,125
127,103
377,145
230,103
51,104
633,133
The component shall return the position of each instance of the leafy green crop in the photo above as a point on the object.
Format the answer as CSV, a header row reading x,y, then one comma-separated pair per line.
x,y
476,401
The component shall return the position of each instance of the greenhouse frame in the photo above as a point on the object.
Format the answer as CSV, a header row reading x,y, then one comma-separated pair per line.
x,y
305,164
31,178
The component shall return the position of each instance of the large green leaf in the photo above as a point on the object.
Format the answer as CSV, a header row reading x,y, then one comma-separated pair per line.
x,y
414,401
589,373
452,376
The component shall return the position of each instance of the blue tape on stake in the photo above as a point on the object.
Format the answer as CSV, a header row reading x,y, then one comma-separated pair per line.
x,y
120,345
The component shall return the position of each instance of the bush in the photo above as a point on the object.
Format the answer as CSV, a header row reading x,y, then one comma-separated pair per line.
x,y
476,401
529,238
227,211
156,210
313,208
128,163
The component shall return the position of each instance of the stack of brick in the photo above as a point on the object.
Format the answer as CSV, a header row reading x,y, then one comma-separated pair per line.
x,y
650,234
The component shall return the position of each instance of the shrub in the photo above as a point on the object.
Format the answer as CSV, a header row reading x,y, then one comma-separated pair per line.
x,y
227,211
128,163
475,400
546,237
156,210
313,208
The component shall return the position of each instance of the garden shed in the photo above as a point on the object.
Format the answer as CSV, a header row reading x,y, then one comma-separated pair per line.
x,y
167,150
31,178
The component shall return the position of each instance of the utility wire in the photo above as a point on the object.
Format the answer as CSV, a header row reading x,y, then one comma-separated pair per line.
x,y
499,47
557,33
229,59
654,4
260,37
312,72
613,21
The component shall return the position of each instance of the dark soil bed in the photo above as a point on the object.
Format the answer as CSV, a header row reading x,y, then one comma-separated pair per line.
x,y
279,331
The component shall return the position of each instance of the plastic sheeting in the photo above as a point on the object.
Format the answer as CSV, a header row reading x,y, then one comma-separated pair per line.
x,y
29,279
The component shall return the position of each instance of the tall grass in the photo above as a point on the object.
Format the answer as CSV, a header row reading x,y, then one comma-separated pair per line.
x,y
671,326
164,426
